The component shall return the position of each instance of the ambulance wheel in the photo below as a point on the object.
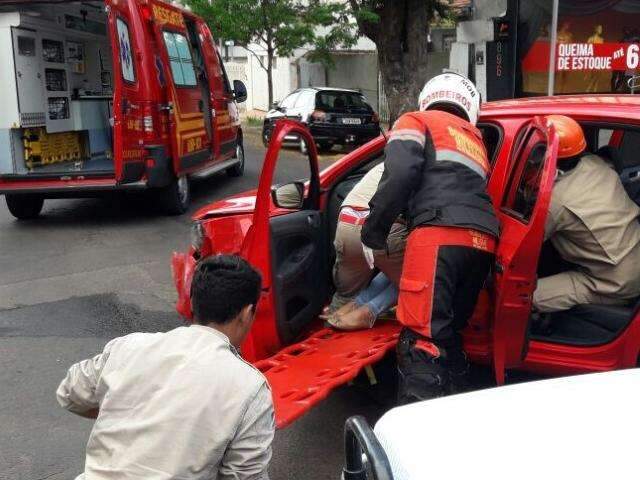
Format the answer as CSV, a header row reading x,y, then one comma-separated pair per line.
x,y
176,196
238,169
24,207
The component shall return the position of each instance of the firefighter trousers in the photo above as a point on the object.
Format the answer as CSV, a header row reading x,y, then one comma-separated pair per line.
x,y
443,272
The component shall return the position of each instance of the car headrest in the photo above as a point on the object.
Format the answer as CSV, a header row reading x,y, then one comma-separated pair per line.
x,y
612,155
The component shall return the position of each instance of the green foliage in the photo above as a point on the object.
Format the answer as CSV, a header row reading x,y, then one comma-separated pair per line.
x,y
281,26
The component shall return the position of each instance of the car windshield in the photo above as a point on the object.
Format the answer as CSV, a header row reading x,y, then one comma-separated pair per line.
x,y
336,100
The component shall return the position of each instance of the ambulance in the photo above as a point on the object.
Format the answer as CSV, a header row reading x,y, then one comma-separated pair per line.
x,y
113,95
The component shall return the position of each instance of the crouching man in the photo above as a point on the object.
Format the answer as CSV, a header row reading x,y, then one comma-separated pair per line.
x,y
181,404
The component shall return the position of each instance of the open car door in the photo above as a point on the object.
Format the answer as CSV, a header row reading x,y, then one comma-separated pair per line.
x,y
288,243
522,213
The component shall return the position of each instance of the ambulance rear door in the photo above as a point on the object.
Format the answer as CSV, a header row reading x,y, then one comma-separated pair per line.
x,y
131,89
522,213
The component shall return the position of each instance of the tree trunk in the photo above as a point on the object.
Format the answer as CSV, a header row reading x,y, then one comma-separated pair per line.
x,y
270,55
401,38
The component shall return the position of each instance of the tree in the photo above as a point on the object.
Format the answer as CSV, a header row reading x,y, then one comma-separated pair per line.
x,y
279,26
400,30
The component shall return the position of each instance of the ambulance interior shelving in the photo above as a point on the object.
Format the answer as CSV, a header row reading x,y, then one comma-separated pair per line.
x,y
56,96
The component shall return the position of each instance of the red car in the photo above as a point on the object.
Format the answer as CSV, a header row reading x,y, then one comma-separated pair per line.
x,y
292,247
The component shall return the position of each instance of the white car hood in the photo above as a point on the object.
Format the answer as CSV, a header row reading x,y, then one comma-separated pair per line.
x,y
567,428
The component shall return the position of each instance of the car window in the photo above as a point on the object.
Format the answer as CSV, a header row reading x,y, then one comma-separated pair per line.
x,y
492,138
629,149
334,100
524,182
290,100
305,99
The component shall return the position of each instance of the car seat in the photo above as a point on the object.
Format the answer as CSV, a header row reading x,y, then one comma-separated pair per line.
x,y
612,155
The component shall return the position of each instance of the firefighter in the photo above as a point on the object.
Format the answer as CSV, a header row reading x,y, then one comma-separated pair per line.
x,y
436,170
592,223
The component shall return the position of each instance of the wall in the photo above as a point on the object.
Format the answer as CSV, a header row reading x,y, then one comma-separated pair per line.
x,y
358,71
248,70
485,9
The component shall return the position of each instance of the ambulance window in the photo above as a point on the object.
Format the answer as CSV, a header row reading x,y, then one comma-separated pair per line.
x,y
524,184
180,59
126,52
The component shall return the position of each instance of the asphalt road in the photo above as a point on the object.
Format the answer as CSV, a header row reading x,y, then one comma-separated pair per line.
x,y
92,269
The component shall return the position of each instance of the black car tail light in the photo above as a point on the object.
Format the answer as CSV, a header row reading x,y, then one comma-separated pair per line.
x,y
375,118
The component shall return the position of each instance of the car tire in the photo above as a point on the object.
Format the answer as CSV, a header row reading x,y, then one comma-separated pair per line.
x,y
238,169
325,147
24,207
176,197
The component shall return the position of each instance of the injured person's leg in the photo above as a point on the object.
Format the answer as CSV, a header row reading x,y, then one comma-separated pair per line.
x,y
369,304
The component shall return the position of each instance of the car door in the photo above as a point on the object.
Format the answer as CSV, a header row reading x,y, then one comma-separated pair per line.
x,y
522,214
288,245
125,27
190,139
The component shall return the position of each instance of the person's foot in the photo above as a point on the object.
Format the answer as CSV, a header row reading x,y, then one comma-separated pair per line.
x,y
328,314
359,318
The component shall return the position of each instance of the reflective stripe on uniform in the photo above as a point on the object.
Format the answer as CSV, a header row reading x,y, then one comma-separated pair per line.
x,y
457,157
409,134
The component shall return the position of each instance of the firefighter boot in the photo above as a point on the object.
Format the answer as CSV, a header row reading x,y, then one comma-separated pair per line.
x,y
459,370
421,372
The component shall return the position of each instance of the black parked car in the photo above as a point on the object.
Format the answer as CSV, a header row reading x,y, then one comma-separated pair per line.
x,y
334,116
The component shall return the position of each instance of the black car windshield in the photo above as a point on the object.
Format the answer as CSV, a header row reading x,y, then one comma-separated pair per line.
x,y
336,100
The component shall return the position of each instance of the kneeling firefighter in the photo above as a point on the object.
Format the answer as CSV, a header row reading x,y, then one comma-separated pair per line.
x,y
436,171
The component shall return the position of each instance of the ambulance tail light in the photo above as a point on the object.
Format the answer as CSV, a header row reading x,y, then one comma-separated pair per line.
x,y
147,123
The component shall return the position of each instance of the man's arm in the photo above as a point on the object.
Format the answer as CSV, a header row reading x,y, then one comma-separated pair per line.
x,y
248,455
405,157
77,392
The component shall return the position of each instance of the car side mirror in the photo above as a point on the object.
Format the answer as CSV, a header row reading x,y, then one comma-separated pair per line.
x,y
289,195
239,91
276,106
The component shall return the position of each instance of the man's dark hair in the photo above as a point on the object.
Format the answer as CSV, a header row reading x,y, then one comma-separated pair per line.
x,y
222,286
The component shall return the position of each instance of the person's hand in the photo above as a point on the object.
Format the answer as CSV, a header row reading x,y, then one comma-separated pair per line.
x,y
368,255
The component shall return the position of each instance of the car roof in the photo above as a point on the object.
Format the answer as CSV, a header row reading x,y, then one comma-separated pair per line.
x,y
573,427
330,89
625,107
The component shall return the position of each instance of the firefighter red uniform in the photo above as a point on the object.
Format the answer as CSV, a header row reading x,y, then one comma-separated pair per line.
x,y
436,170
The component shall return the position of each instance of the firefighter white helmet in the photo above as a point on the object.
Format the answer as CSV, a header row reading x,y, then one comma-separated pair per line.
x,y
451,90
